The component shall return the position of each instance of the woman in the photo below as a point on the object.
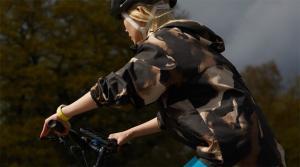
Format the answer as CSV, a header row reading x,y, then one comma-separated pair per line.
x,y
204,102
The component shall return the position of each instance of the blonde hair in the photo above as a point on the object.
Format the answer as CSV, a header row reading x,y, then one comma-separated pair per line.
x,y
144,13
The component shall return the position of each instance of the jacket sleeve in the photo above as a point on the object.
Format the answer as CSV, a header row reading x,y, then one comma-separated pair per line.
x,y
141,81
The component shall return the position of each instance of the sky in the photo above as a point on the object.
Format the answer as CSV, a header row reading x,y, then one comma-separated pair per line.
x,y
255,31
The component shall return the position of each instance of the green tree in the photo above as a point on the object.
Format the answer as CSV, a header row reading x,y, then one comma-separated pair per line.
x,y
280,105
264,81
52,52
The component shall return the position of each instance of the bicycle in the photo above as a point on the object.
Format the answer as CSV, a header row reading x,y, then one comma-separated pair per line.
x,y
83,141
87,139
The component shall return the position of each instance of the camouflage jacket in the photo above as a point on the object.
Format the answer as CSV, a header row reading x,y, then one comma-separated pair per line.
x,y
204,102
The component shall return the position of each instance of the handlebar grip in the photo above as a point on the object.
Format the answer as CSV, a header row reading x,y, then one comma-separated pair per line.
x,y
56,126
112,146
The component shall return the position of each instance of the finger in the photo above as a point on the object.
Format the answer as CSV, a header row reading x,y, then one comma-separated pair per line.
x,y
60,134
121,142
57,133
67,127
64,133
118,140
45,130
111,136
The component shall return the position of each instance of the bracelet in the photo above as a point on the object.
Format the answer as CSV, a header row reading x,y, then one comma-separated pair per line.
x,y
60,114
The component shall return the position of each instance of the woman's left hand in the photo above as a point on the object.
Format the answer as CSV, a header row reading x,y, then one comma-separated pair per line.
x,y
54,117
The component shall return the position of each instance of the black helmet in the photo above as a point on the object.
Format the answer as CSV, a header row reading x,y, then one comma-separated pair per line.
x,y
119,6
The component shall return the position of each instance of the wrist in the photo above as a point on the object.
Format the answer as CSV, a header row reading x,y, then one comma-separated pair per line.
x,y
61,115
131,133
67,111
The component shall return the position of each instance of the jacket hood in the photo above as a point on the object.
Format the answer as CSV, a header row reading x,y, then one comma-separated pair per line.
x,y
197,30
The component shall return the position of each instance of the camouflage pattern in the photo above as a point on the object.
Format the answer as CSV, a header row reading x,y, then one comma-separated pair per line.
x,y
204,102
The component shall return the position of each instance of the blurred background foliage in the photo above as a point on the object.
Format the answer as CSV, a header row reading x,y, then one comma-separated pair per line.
x,y
52,52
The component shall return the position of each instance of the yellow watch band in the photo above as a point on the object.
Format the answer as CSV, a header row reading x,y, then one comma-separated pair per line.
x,y
60,114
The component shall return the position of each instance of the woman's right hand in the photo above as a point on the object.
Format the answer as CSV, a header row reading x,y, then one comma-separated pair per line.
x,y
46,130
122,137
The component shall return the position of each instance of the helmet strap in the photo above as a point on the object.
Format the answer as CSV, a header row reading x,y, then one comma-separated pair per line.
x,y
144,30
158,6
135,25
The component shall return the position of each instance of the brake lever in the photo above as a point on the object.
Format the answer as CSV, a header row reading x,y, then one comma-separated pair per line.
x,y
57,139
50,138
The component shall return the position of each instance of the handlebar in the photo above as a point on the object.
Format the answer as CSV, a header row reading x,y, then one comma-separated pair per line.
x,y
56,126
84,140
